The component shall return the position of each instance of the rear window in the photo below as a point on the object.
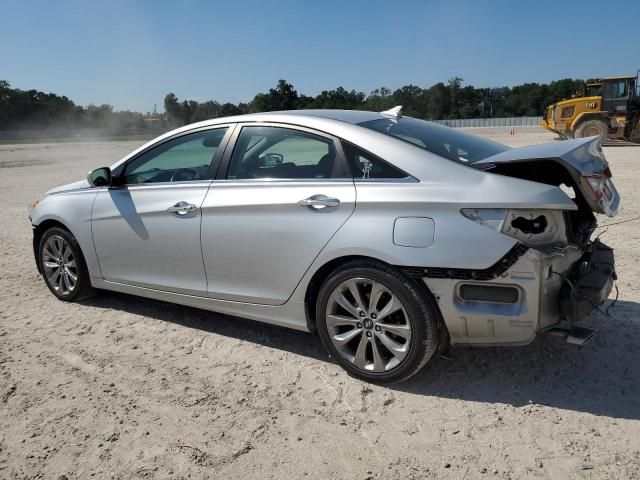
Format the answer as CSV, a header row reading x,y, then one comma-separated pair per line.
x,y
447,142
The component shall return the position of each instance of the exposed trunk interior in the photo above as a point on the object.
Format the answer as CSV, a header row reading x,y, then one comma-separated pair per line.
x,y
581,222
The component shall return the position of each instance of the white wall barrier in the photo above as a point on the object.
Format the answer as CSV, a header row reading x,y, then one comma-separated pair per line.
x,y
491,122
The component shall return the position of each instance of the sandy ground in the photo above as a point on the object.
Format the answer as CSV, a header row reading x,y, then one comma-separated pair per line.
x,y
122,387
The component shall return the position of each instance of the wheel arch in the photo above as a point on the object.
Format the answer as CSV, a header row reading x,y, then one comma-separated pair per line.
x,y
322,273
38,231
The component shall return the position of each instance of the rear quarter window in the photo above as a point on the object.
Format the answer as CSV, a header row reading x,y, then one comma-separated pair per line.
x,y
366,166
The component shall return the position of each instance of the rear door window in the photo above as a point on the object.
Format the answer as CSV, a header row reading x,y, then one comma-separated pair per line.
x,y
281,153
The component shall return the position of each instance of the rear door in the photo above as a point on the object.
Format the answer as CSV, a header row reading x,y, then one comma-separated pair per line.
x,y
282,194
146,228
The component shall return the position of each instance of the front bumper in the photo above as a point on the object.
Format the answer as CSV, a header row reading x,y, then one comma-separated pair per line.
x,y
533,296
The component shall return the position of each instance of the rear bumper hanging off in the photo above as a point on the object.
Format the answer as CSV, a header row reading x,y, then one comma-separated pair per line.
x,y
527,292
589,282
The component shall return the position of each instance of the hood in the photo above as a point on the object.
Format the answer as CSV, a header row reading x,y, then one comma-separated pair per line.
x,y
80,185
578,163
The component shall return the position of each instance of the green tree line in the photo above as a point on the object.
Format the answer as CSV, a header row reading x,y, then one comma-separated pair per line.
x,y
35,110
438,102
32,109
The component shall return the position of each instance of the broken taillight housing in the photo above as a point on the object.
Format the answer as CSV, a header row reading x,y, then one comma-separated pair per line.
x,y
600,193
603,192
535,228
597,185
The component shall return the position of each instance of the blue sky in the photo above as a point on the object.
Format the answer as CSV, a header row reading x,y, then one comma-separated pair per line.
x,y
131,53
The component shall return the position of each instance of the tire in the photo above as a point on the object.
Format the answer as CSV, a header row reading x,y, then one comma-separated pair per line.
x,y
59,251
368,343
591,128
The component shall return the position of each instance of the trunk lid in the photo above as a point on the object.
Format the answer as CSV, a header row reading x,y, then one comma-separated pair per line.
x,y
577,163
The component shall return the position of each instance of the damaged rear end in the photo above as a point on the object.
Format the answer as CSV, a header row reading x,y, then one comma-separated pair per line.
x,y
541,202
577,164
574,274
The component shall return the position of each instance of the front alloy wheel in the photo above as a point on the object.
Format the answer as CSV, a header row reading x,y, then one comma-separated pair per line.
x,y
63,266
59,265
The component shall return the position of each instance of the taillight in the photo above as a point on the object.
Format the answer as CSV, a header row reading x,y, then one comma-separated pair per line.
x,y
607,172
601,186
597,185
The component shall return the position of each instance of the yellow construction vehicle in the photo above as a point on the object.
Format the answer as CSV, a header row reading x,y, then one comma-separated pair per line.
x,y
608,107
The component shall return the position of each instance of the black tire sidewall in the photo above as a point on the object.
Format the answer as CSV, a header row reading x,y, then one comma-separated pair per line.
x,y
83,284
424,337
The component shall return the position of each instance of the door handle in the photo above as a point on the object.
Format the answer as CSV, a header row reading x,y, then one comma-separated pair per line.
x,y
318,202
182,208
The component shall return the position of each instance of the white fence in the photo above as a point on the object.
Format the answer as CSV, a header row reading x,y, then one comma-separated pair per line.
x,y
491,122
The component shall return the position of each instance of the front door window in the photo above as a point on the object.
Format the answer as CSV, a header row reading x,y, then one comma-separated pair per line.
x,y
185,158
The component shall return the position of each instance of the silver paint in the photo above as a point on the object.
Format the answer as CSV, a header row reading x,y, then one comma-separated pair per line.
x,y
251,248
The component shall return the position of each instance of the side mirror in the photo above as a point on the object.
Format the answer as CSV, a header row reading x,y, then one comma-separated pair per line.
x,y
100,177
271,159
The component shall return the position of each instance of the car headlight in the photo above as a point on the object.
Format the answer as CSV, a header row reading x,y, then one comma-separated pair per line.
x,y
535,228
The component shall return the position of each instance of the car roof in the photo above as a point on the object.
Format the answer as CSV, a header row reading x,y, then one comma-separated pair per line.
x,y
300,117
349,116
342,123
333,122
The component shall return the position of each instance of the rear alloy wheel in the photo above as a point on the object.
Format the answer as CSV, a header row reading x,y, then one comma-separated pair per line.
x,y
373,334
592,128
376,323
63,266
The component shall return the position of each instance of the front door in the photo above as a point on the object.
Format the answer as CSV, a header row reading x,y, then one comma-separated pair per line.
x,y
286,193
146,228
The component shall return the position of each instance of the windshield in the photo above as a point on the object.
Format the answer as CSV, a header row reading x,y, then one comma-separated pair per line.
x,y
444,141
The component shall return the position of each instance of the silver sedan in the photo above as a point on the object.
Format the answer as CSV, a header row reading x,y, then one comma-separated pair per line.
x,y
391,237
